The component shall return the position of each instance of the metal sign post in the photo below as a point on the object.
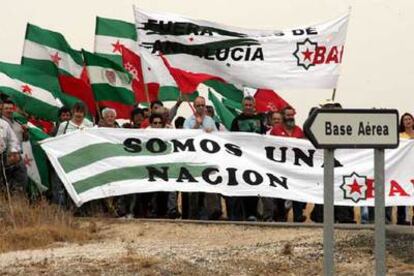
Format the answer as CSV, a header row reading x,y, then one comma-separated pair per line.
x,y
328,212
329,129
379,212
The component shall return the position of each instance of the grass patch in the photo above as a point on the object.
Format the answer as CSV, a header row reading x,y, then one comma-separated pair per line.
x,y
38,225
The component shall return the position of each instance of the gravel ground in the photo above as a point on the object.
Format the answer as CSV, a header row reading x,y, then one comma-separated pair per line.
x,y
163,248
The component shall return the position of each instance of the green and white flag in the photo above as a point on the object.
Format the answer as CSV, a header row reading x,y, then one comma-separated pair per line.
x,y
225,115
111,34
50,52
304,57
109,81
31,90
102,162
35,159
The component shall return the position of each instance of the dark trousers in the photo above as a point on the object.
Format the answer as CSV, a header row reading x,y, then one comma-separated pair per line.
x,y
317,213
401,215
204,206
234,208
250,206
298,207
344,214
274,209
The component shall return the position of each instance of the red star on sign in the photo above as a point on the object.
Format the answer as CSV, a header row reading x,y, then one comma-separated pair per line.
x,y
26,89
117,47
191,39
56,58
355,187
307,54
27,161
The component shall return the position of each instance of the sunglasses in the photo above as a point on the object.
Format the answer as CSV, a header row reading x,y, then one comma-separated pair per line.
x,y
200,105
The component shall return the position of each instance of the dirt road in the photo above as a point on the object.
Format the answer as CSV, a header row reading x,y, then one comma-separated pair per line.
x,y
162,248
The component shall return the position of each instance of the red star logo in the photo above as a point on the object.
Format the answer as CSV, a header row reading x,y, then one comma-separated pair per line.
x,y
27,161
355,187
307,54
26,89
117,47
191,39
56,58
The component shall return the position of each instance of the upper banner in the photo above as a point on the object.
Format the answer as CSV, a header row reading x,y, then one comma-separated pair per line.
x,y
303,57
103,162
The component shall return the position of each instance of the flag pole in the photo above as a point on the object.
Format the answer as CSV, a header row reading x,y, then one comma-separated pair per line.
x,y
189,104
146,90
142,62
333,94
98,111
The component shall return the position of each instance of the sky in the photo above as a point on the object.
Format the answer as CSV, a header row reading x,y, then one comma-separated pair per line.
x,y
378,62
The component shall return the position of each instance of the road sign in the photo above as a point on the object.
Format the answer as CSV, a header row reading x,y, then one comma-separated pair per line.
x,y
353,128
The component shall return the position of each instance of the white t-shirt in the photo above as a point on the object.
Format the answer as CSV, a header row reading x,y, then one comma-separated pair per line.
x,y
69,126
8,139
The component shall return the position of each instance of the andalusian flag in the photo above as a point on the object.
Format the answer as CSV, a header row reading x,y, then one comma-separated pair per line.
x,y
49,51
34,157
109,81
226,90
112,34
225,115
31,90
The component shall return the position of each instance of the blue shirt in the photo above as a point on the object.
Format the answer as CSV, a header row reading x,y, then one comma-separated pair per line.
x,y
208,122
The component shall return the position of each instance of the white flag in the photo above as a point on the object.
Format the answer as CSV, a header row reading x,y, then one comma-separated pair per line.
x,y
303,57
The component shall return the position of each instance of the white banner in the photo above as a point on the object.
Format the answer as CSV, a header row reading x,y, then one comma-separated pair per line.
x,y
101,162
304,57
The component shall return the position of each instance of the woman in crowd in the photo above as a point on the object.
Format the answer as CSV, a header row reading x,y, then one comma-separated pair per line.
x,y
162,204
406,132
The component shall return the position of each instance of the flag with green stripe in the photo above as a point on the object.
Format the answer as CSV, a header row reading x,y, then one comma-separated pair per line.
x,y
109,81
112,34
34,157
31,90
225,115
97,163
49,51
35,160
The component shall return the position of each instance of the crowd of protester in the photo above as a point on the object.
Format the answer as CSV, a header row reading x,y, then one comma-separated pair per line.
x,y
174,205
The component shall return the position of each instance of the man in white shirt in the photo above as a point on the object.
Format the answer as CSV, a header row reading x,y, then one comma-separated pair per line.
x,y
78,120
16,171
10,152
204,206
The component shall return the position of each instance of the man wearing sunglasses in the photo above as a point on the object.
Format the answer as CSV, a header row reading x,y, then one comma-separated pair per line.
x,y
200,120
